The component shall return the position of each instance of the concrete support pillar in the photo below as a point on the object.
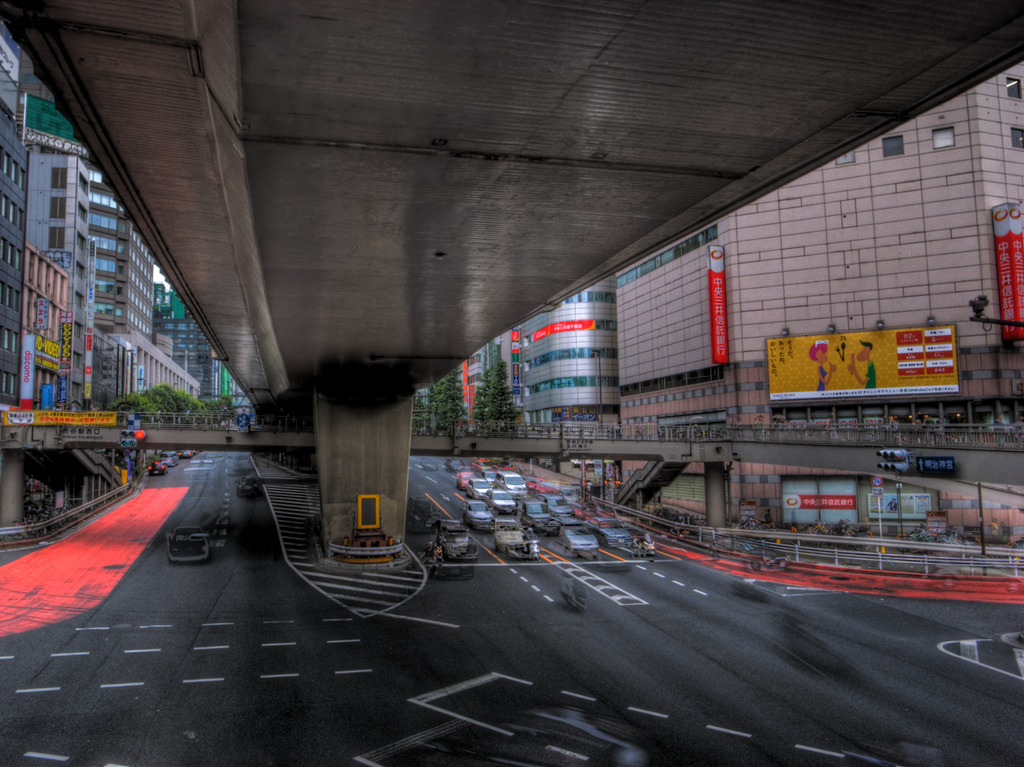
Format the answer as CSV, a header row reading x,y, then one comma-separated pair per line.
x,y
12,486
363,451
714,493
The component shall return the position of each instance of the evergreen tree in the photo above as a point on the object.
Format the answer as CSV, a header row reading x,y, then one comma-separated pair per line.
x,y
494,402
446,406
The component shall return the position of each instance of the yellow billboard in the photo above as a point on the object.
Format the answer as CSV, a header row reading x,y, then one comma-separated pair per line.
x,y
59,418
863,364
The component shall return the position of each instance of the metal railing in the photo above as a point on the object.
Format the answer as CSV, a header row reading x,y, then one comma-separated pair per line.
x,y
59,522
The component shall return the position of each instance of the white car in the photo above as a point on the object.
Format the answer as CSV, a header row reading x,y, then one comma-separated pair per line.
x,y
512,483
478,487
500,501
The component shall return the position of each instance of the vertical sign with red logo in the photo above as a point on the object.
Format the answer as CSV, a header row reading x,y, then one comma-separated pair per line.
x,y
716,303
27,374
516,390
1009,235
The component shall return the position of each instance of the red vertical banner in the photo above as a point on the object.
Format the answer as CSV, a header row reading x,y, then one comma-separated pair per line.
x,y
716,305
1009,237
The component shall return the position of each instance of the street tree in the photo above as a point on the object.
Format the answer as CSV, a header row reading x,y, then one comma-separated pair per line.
x,y
446,406
494,403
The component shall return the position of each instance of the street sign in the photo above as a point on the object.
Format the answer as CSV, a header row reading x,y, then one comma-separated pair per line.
x,y
876,481
936,464
127,453
242,421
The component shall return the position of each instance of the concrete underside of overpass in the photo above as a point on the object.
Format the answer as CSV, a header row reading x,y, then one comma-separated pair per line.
x,y
342,195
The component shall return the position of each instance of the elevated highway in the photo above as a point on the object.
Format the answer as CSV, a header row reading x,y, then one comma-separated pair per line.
x,y
351,199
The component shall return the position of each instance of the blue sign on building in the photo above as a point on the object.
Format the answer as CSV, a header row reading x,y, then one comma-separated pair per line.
x,y
936,464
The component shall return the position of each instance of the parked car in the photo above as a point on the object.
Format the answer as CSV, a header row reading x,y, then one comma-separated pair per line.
x,y
609,531
478,487
509,538
157,467
170,457
455,542
512,483
462,479
532,513
188,544
477,515
500,501
576,540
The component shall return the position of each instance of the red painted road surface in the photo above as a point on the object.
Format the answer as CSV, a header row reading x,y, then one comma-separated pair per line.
x,y
75,574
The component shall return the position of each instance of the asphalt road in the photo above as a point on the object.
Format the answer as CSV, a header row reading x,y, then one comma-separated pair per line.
x,y
239,662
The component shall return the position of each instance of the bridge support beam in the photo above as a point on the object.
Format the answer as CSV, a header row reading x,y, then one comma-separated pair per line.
x,y
12,486
363,450
714,493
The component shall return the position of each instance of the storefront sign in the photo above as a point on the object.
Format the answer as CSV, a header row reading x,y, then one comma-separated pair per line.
x,y
716,305
1009,237
563,327
59,418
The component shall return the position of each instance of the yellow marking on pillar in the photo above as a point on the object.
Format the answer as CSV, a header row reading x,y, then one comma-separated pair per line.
x,y
368,514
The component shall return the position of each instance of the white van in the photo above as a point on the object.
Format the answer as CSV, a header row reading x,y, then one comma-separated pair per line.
x,y
512,483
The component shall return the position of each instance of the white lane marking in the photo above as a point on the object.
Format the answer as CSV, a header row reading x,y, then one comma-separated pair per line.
x,y
819,751
121,684
660,575
200,681
702,593
213,647
969,649
649,713
975,660
281,621
1019,654
679,583
50,757
566,752
147,649
418,620
36,689
577,695
535,588
158,626
221,623
66,654
356,671
6,657
548,598
524,579
430,478
729,732
425,699
93,628
278,676
342,641
278,644
336,620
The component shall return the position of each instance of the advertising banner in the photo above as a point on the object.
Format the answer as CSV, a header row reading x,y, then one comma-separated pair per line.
x,y
563,327
42,307
716,305
863,364
59,418
27,374
1009,236
67,332
47,353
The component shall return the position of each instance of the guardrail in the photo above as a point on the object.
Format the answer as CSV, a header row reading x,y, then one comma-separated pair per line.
x,y
19,534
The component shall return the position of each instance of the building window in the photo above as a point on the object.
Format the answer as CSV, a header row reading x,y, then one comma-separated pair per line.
x,y
843,159
892,146
1017,138
58,178
942,138
58,207
1013,87
56,237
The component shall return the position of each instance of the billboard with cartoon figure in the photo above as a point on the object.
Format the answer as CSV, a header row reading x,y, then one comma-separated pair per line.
x,y
863,364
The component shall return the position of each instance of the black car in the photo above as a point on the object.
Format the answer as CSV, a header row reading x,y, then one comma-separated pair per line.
x,y
157,467
188,544
248,487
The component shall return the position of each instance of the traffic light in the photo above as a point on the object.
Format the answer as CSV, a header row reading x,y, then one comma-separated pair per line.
x,y
895,460
131,437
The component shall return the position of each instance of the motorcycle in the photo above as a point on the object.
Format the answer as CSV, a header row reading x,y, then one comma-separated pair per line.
x,y
433,557
643,547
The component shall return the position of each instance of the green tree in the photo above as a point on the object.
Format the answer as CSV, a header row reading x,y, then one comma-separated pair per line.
x,y
445,404
494,403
